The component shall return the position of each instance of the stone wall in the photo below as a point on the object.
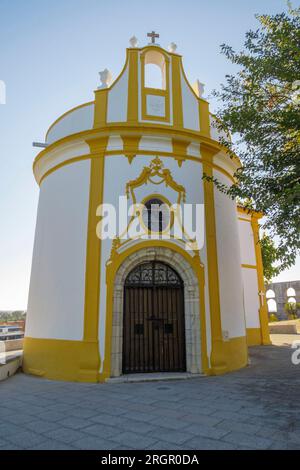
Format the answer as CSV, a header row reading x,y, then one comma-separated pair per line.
x,y
281,298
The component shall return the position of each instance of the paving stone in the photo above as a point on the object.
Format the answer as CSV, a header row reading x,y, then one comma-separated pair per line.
x,y
65,435
94,443
171,436
75,423
170,423
207,431
51,444
133,440
202,443
242,439
26,439
40,426
101,430
51,416
238,427
201,419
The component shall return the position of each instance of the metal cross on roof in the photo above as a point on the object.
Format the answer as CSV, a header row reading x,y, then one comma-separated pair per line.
x,y
153,35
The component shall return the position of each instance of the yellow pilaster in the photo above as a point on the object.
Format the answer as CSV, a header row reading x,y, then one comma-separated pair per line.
x,y
100,112
218,352
93,254
132,104
176,92
204,118
263,311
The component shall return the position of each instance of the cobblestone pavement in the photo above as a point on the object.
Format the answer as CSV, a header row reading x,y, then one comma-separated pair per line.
x,y
257,408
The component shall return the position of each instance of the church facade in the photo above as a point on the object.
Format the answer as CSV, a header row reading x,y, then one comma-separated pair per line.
x,y
101,307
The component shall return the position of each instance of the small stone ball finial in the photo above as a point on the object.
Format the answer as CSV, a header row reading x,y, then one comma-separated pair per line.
x,y
105,78
133,41
172,47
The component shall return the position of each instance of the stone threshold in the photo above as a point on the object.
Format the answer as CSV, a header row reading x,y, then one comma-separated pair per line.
x,y
153,377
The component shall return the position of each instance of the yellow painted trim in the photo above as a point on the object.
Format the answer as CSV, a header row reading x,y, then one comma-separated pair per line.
x,y
254,336
100,112
133,92
177,92
236,353
58,359
180,150
130,146
218,357
65,114
112,268
263,310
130,153
204,121
244,220
147,91
93,251
249,266
140,128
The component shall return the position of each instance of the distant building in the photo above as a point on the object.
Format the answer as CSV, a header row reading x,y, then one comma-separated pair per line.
x,y
279,293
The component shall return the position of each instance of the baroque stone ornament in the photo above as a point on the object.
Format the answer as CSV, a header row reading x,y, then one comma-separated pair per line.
x,y
105,78
172,47
133,41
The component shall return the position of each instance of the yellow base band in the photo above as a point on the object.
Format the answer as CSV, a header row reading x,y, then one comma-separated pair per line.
x,y
58,359
254,336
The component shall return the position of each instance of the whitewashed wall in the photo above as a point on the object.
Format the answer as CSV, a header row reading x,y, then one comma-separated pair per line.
x,y
56,295
251,298
81,119
190,107
247,247
229,263
117,100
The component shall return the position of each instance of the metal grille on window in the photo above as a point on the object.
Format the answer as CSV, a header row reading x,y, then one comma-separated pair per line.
x,y
156,215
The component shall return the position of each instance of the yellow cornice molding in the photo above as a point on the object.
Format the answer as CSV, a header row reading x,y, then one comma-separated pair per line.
x,y
140,128
130,154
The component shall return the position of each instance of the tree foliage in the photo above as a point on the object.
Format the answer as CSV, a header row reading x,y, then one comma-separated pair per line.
x,y
260,106
270,256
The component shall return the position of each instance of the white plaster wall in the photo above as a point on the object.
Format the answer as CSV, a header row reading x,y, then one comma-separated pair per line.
x,y
251,298
189,175
190,107
246,239
229,263
59,155
56,295
80,119
117,100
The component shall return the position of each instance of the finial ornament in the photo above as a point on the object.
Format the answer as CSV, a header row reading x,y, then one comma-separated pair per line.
x,y
172,47
133,41
153,35
199,88
105,78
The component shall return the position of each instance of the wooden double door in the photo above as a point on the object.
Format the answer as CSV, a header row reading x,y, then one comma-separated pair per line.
x,y
153,324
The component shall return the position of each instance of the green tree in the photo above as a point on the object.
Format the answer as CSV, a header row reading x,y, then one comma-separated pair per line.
x,y
260,106
291,309
269,256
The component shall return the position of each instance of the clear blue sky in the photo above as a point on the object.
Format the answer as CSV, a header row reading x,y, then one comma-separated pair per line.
x,y
50,54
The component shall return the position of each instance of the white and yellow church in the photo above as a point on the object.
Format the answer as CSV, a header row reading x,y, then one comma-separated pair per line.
x,y
99,307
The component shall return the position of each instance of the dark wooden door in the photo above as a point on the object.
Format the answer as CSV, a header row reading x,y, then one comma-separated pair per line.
x,y
153,326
